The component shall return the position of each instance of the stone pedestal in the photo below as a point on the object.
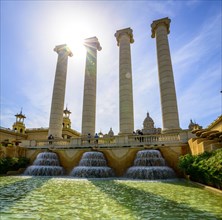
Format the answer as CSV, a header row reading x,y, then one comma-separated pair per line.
x,y
89,97
124,38
170,118
58,96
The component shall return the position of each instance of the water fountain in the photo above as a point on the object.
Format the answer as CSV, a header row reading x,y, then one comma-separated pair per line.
x,y
45,164
149,164
92,165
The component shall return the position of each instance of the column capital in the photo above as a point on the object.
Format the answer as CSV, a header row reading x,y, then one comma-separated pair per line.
x,y
127,31
63,47
92,42
161,22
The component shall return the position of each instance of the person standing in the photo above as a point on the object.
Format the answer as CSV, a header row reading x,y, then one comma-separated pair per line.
x,y
96,138
89,137
50,138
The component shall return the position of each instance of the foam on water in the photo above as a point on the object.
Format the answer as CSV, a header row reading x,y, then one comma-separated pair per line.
x,y
45,164
149,164
92,165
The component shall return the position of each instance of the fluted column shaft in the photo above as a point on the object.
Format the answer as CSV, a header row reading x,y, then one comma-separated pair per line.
x,y
126,114
58,96
170,118
89,97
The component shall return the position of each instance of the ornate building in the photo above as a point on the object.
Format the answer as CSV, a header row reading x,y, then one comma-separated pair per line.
x,y
111,133
19,125
66,120
148,126
20,132
207,139
194,126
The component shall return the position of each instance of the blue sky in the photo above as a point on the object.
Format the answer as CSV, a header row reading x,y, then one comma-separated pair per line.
x,y
31,29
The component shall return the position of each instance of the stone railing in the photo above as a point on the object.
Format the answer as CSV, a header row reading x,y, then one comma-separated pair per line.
x,y
115,141
153,139
61,143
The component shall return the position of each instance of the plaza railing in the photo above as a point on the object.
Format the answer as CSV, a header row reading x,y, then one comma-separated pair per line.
x,y
115,141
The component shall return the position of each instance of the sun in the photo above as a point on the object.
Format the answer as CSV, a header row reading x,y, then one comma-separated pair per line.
x,y
73,34
72,27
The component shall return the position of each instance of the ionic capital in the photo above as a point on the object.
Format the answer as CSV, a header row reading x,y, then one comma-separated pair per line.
x,y
161,22
92,42
127,32
63,48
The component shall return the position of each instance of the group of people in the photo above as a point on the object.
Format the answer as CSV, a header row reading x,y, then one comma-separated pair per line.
x,y
96,136
50,138
138,132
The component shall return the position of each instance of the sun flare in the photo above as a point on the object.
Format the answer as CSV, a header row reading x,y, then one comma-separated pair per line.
x,y
73,34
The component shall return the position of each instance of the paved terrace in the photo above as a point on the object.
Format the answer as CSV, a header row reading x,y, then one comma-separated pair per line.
x,y
111,142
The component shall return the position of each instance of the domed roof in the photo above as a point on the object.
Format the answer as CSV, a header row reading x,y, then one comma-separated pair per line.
x,y
111,133
100,133
148,122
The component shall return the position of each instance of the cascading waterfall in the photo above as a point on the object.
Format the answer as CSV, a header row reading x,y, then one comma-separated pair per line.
x,y
92,165
45,164
149,164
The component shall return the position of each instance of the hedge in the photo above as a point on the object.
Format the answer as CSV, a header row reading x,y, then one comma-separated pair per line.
x,y
205,168
12,164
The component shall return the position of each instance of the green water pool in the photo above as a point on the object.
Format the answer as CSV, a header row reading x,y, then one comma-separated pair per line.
x,y
69,198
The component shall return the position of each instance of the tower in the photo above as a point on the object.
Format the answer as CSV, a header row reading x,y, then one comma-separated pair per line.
x,y
66,119
19,125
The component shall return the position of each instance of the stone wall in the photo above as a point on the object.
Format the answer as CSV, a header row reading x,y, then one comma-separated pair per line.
x,y
8,134
12,151
120,159
37,134
33,134
200,145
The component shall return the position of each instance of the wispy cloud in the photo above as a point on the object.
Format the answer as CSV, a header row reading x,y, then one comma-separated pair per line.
x,y
200,98
192,3
207,39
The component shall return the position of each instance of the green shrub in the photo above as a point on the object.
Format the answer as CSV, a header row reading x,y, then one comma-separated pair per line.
x,y
12,164
185,163
204,168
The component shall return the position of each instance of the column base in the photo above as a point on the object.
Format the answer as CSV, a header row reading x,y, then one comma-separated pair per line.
x,y
124,134
171,131
58,138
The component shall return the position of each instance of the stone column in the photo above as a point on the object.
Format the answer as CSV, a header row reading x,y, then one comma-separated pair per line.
x,y
58,96
170,118
124,37
89,98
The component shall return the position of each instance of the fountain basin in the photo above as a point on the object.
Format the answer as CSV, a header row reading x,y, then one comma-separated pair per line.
x,y
92,172
45,164
149,164
44,171
151,173
92,165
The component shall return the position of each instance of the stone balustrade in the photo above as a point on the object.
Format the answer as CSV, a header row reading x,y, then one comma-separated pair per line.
x,y
115,141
